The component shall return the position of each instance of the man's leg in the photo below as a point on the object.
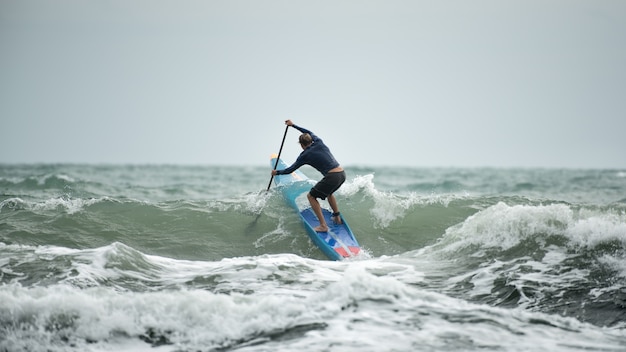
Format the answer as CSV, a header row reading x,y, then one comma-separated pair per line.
x,y
317,209
333,204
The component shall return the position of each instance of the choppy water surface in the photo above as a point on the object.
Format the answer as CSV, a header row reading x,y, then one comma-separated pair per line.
x,y
182,258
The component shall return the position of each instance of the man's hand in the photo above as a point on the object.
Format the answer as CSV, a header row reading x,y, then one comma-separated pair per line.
x,y
288,123
274,172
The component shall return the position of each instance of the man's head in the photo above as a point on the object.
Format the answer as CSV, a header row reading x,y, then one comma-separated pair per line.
x,y
305,140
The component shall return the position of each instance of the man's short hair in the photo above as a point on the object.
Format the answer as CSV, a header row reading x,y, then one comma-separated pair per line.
x,y
305,139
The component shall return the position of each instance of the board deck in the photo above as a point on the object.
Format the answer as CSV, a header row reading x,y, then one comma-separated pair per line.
x,y
339,241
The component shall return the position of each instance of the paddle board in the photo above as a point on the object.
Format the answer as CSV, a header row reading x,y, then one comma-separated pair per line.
x,y
339,241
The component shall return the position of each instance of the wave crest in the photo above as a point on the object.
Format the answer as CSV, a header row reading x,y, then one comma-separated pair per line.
x,y
503,226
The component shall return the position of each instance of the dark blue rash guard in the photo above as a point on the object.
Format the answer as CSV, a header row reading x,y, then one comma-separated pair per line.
x,y
317,155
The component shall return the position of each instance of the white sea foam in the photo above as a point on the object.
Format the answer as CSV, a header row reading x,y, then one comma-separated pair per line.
x,y
617,264
69,205
40,180
13,203
255,202
404,298
276,235
353,306
389,206
503,226
594,227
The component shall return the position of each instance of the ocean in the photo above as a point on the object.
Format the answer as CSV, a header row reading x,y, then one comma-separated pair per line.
x,y
202,258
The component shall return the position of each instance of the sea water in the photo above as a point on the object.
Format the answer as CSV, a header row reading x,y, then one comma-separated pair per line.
x,y
202,258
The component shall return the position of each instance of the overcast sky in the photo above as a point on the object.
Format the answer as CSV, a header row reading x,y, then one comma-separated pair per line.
x,y
407,83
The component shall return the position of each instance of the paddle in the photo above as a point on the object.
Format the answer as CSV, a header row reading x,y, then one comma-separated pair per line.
x,y
278,157
253,224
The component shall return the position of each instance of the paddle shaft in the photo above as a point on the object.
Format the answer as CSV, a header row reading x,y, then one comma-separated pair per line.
x,y
278,157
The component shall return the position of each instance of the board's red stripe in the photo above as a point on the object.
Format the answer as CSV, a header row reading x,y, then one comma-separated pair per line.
x,y
342,252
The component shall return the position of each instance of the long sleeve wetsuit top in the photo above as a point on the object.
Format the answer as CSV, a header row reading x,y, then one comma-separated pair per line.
x,y
317,155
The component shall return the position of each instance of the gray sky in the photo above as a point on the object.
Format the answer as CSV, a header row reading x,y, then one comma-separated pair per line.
x,y
412,83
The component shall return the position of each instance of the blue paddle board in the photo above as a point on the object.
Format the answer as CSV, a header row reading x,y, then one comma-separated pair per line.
x,y
339,241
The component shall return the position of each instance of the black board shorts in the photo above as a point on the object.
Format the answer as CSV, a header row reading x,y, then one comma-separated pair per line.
x,y
328,185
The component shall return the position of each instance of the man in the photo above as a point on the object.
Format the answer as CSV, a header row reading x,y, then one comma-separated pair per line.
x,y
317,154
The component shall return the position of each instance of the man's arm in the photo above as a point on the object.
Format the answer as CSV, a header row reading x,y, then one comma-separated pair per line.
x,y
302,129
291,168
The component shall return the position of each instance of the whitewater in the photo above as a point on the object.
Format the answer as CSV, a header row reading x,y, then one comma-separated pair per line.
x,y
202,258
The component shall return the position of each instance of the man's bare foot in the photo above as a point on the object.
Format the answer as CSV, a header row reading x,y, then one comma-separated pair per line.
x,y
337,220
321,228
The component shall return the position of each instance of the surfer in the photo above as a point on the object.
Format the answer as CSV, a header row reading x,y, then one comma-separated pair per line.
x,y
317,154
